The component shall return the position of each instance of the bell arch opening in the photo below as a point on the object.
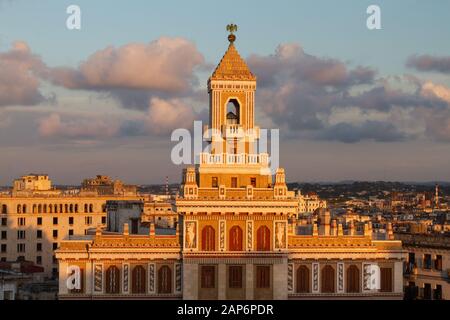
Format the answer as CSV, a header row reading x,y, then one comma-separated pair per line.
x,y
233,112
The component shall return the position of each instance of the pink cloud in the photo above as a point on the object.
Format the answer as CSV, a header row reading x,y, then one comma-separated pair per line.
x,y
79,127
19,76
166,64
165,115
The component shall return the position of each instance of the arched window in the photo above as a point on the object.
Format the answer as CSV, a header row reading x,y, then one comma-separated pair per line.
x,y
327,279
61,207
19,208
85,208
50,208
56,209
40,208
45,208
353,285
4,209
138,280
113,280
91,208
235,241
24,208
208,239
66,208
164,280
303,279
263,239
34,209
71,208
76,208
233,112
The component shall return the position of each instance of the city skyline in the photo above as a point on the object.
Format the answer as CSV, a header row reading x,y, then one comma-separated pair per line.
x,y
348,108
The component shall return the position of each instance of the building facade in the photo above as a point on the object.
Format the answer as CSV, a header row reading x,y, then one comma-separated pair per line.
x,y
36,217
237,236
427,268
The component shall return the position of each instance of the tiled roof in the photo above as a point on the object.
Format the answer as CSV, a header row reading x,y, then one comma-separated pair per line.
x,y
232,67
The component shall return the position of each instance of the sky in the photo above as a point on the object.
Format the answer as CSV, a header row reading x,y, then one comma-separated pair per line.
x,y
351,103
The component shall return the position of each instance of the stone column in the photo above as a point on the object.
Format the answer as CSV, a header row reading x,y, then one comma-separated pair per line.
x,y
88,278
222,281
190,281
249,285
280,276
398,277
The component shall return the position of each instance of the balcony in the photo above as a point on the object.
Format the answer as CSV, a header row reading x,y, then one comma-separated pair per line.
x,y
231,131
234,159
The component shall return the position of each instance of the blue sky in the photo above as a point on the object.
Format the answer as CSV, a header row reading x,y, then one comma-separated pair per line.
x,y
323,29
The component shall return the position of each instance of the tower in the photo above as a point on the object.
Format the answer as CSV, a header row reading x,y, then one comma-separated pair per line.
x,y
231,133
235,215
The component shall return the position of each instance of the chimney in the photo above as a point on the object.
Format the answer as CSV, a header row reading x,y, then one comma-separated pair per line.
x,y
324,217
367,233
340,230
333,230
389,231
351,228
315,230
152,229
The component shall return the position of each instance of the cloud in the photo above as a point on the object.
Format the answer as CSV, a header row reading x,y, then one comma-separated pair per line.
x,y
429,63
291,61
301,93
166,115
76,128
379,131
135,72
431,90
20,72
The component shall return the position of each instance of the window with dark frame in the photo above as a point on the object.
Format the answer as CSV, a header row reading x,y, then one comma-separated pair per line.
x,y
386,279
208,277
214,182
235,277
262,277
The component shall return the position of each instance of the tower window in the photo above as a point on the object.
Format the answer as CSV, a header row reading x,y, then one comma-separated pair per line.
x,y
233,114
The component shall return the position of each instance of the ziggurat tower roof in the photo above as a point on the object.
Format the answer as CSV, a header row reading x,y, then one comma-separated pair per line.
x,y
232,67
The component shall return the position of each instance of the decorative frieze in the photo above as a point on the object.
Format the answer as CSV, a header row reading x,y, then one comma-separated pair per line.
x,y
249,235
178,277
222,234
340,277
98,277
290,277
315,278
125,276
151,277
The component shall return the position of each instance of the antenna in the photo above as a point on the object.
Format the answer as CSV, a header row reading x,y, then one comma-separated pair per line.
x,y
167,185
